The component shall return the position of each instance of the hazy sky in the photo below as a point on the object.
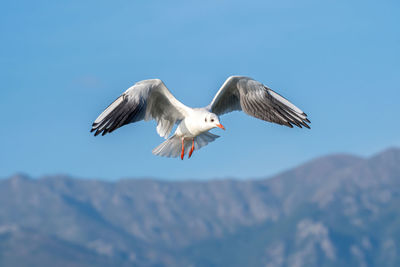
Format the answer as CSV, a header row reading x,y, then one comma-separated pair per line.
x,y
63,62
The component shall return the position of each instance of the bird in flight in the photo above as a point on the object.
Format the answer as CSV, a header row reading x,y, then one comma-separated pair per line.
x,y
150,99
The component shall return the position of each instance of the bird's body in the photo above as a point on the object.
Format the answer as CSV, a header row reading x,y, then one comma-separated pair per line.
x,y
189,127
150,99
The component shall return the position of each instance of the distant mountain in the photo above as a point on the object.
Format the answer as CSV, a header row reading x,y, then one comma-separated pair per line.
x,y
337,210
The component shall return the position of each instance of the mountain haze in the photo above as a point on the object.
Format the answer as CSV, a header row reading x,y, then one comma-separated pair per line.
x,y
338,210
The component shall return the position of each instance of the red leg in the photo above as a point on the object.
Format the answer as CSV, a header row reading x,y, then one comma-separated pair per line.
x,y
191,150
183,149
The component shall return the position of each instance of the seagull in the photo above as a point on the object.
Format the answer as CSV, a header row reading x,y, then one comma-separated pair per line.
x,y
151,99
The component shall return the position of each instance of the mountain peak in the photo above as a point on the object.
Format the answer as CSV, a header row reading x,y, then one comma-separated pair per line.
x,y
388,153
20,177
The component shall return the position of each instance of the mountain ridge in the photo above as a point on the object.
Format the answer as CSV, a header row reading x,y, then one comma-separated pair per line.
x,y
152,222
329,157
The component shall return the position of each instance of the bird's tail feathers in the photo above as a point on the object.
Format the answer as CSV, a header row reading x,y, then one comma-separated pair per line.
x,y
203,139
172,147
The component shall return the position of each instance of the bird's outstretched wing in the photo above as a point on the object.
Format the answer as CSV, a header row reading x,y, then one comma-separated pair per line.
x,y
257,100
146,100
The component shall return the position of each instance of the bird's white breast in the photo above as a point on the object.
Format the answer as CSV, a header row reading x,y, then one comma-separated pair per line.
x,y
192,125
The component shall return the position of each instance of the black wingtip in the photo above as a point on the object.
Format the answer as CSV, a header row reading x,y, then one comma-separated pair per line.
x,y
296,123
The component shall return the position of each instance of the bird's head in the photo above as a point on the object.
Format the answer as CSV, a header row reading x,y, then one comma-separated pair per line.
x,y
211,121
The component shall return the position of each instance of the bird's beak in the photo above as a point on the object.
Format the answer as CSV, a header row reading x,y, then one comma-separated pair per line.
x,y
220,126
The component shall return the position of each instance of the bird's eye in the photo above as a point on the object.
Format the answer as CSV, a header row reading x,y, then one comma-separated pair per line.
x,y
205,119
212,120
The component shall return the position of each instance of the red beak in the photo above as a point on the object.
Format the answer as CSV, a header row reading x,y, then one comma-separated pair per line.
x,y
220,126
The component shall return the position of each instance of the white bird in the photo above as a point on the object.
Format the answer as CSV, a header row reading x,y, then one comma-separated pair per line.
x,y
150,99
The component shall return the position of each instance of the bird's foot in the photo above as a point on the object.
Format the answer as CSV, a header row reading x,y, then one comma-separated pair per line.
x,y
183,148
191,150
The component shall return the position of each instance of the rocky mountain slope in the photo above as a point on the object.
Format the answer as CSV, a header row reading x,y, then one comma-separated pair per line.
x,y
337,210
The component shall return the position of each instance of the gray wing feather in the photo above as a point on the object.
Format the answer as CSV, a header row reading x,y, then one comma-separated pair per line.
x,y
146,100
257,100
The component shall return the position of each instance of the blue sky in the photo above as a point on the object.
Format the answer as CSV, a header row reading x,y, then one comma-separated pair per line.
x,y
63,62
